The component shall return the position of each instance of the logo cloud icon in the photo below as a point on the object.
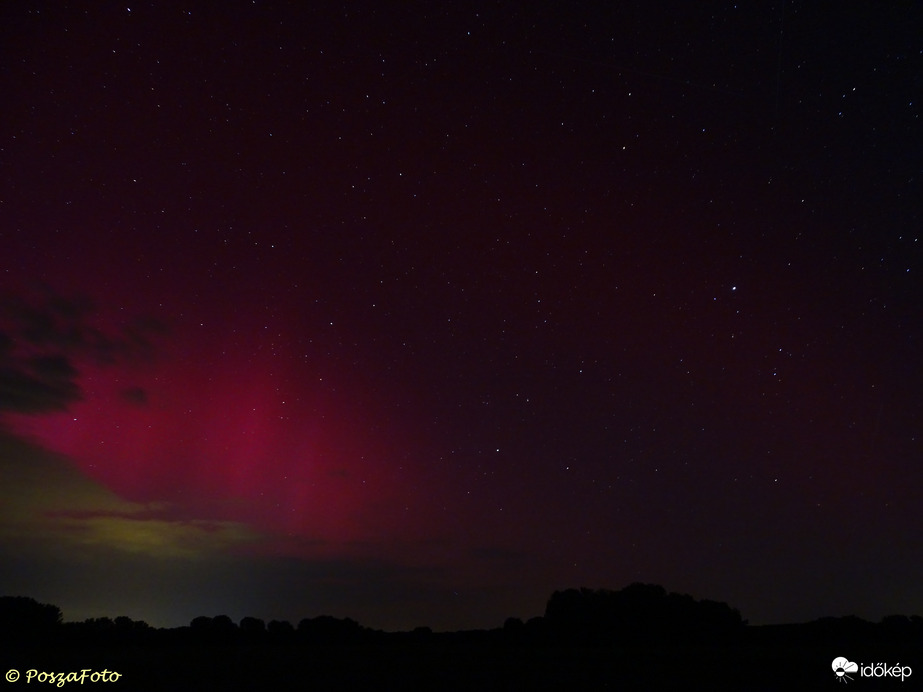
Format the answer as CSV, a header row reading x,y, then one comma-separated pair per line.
x,y
842,666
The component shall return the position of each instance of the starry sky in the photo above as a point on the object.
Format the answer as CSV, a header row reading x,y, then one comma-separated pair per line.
x,y
416,312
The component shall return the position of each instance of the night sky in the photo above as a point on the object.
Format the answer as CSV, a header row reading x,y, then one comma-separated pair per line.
x,y
416,312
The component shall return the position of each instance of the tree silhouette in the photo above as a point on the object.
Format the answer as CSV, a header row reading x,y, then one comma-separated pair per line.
x,y
639,613
514,629
201,624
217,630
280,630
326,629
252,629
25,619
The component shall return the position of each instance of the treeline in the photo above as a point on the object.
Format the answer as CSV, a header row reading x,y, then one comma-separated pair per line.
x,y
638,615
26,621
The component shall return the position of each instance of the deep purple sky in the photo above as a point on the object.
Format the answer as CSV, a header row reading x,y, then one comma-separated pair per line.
x,y
416,312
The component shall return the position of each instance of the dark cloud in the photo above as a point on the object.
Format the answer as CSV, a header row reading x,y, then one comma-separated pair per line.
x,y
55,368
135,395
37,385
52,321
48,321
44,337
134,342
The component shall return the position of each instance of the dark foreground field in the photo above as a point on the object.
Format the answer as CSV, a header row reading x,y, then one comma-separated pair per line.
x,y
456,665
639,638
